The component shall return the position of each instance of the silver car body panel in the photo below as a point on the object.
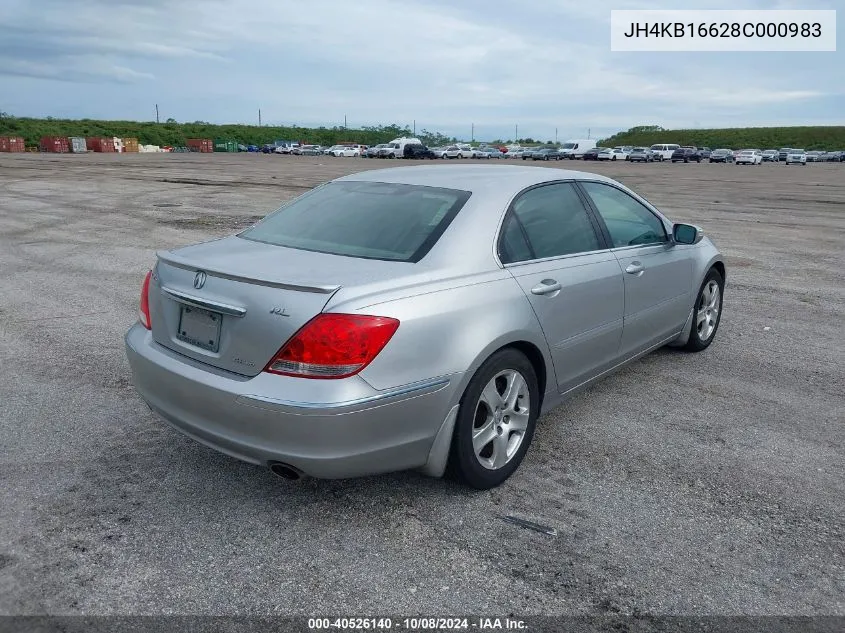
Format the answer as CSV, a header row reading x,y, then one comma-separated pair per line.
x,y
591,297
456,306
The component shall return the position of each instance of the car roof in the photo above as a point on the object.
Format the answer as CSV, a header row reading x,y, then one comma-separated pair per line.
x,y
504,180
467,241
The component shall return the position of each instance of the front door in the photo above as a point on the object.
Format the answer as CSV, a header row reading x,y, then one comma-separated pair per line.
x,y
657,273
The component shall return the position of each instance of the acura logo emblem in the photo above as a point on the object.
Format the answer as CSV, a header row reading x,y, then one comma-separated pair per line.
x,y
199,280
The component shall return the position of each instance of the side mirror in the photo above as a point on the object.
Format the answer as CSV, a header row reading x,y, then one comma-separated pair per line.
x,y
686,233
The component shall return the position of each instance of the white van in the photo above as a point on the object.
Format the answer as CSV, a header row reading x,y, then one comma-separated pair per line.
x,y
663,151
575,148
396,147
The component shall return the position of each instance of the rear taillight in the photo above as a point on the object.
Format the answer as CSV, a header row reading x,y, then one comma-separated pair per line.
x,y
144,306
333,346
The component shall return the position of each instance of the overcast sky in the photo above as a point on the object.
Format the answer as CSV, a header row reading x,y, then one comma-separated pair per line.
x,y
541,64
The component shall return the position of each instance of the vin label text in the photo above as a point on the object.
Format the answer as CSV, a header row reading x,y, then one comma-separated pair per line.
x,y
728,30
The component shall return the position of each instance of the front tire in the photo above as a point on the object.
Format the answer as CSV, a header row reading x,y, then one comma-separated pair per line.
x,y
707,312
496,420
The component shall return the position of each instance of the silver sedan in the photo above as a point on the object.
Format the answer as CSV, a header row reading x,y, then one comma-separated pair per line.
x,y
416,318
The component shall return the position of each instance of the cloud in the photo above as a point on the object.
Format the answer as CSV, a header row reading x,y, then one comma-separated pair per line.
x,y
539,64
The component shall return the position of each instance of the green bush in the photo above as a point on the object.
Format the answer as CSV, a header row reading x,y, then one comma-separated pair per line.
x,y
173,133
810,138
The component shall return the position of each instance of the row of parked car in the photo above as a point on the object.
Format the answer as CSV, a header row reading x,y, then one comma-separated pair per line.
x,y
397,148
688,154
413,148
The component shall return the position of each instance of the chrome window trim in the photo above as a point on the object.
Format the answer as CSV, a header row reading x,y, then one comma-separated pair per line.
x,y
557,258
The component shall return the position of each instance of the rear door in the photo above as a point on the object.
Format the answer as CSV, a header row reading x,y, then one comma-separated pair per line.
x,y
657,273
552,246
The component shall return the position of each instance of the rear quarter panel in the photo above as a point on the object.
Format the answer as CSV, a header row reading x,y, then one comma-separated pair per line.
x,y
447,328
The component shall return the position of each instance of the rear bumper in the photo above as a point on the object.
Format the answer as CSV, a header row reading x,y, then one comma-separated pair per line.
x,y
261,420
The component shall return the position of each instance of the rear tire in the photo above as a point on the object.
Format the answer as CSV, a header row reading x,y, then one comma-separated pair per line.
x,y
707,312
502,403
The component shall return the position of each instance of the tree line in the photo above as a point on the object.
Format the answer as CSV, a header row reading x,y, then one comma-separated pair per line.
x,y
176,134
805,137
172,133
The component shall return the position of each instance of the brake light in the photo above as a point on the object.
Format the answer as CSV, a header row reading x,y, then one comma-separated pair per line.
x,y
333,346
144,306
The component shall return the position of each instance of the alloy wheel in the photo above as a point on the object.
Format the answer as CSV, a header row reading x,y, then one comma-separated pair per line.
x,y
501,419
707,315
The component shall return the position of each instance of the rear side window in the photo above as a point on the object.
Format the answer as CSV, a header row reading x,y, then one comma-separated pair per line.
x,y
547,221
371,220
628,221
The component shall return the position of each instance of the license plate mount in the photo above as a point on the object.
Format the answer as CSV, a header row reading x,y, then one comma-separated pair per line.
x,y
199,327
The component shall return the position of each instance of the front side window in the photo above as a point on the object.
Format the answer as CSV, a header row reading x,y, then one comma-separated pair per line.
x,y
628,221
547,221
372,220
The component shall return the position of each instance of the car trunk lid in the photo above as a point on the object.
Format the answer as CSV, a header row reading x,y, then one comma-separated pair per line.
x,y
232,303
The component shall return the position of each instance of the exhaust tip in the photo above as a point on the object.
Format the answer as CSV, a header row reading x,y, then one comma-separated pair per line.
x,y
285,471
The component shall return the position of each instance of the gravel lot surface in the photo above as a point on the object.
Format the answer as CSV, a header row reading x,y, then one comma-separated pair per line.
x,y
685,484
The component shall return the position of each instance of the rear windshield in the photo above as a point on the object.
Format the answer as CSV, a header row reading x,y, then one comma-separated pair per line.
x,y
371,220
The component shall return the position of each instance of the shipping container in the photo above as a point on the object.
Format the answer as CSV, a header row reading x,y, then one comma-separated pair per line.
x,y
12,144
118,144
130,145
225,146
77,144
200,145
100,144
54,144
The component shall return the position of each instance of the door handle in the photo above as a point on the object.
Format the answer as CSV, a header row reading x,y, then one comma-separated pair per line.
x,y
545,287
635,268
